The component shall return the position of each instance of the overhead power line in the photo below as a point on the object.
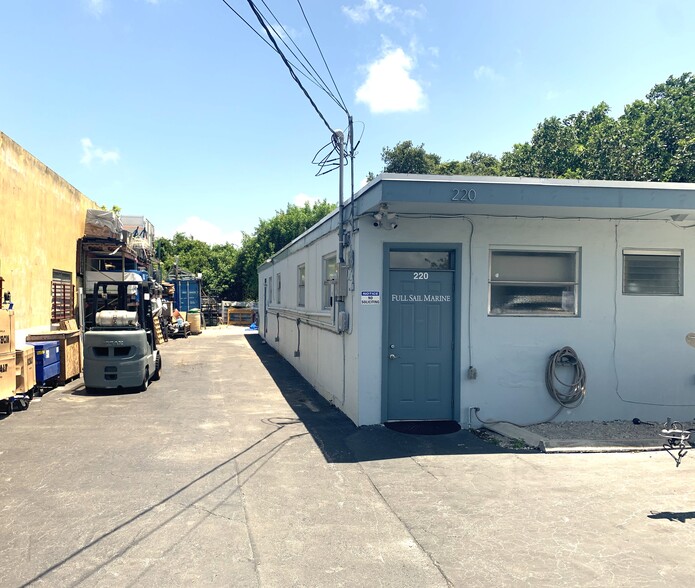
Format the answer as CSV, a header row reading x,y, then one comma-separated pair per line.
x,y
287,64
323,85
342,102
319,83
336,151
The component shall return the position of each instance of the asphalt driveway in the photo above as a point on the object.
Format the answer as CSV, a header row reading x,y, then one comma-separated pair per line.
x,y
232,471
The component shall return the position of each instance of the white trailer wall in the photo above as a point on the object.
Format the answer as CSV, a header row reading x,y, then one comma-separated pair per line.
x,y
632,347
327,359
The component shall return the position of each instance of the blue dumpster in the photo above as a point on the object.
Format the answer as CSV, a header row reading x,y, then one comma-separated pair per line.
x,y
47,360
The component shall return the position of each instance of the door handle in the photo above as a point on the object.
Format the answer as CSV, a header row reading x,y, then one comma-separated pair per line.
x,y
392,356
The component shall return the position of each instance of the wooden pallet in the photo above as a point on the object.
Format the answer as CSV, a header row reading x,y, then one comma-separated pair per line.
x,y
158,336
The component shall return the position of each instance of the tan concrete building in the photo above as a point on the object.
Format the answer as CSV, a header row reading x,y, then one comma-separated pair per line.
x,y
41,218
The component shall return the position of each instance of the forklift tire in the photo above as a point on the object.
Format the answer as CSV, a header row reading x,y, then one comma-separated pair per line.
x,y
146,382
8,407
186,332
157,368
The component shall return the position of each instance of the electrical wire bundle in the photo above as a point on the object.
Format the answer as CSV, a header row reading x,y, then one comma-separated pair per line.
x,y
566,394
297,64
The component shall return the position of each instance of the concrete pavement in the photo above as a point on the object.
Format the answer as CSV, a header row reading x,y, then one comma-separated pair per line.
x,y
232,471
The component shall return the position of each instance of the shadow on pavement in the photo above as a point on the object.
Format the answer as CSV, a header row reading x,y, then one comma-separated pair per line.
x,y
681,517
82,391
337,436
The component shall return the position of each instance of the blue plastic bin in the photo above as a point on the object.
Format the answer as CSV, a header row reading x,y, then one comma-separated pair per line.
x,y
47,360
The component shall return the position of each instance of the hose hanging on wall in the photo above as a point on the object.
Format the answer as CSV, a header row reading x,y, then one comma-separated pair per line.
x,y
568,395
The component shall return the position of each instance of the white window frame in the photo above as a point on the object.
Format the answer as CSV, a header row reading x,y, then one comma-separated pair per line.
x,y
301,285
630,290
571,289
278,285
270,290
328,280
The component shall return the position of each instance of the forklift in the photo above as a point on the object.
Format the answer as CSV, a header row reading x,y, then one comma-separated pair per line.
x,y
120,348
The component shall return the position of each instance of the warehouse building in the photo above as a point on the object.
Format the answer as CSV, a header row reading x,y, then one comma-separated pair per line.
x,y
43,216
444,298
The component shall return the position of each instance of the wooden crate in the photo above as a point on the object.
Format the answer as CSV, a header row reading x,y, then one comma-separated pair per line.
x,y
7,375
240,316
70,352
6,331
26,369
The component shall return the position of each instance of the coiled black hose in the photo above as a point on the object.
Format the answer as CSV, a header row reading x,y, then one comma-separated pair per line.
x,y
568,395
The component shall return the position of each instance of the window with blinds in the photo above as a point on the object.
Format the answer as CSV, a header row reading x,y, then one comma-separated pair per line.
x,y
653,273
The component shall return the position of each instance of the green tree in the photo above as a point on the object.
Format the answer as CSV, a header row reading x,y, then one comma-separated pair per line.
x,y
215,262
230,272
653,140
479,164
406,158
269,237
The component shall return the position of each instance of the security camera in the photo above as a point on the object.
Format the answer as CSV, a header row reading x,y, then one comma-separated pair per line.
x,y
377,223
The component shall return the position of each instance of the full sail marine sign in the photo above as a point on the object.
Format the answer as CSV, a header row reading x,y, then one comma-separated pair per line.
x,y
420,298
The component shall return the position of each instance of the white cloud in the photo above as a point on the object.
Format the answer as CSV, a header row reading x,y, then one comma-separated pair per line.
x,y
487,73
382,11
90,153
301,199
206,231
96,7
552,95
389,87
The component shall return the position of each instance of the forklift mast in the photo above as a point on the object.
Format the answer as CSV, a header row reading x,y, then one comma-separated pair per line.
x,y
120,296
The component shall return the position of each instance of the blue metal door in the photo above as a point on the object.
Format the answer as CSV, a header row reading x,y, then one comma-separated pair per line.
x,y
420,345
187,294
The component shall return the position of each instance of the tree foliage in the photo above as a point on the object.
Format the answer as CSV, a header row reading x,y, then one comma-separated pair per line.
x,y
269,237
653,140
406,158
230,272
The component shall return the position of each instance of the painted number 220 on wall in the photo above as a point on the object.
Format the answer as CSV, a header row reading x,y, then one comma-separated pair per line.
x,y
458,195
421,276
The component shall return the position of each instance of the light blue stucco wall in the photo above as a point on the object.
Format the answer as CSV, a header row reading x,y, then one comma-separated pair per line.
x,y
633,347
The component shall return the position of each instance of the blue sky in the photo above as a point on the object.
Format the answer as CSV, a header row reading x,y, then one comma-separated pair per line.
x,y
176,110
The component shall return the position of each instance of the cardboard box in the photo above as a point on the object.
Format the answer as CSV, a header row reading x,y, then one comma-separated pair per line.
x,y
7,375
26,369
70,352
68,325
6,331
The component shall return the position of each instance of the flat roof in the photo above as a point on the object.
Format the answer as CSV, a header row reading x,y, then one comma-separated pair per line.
x,y
500,196
495,196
